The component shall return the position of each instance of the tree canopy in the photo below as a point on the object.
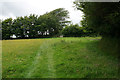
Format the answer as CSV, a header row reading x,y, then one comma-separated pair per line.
x,y
33,26
103,17
72,31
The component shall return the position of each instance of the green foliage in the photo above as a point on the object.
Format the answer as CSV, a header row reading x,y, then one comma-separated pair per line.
x,y
102,17
34,26
7,28
0,29
72,31
88,31
77,31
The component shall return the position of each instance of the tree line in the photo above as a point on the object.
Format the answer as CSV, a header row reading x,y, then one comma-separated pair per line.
x,y
34,26
99,18
72,30
52,24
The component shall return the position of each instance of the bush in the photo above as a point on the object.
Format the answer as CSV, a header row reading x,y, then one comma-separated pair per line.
x,y
72,31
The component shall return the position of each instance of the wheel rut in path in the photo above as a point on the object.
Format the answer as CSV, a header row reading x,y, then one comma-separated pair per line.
x,y
45,48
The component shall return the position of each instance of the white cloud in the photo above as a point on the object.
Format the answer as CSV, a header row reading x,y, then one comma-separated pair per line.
x,y
12,8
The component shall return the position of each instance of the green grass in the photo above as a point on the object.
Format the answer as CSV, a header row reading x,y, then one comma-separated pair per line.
x,y
81,58
17,56
57,58
0,59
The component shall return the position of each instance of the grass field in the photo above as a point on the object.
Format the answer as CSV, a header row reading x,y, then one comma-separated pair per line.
x,y
57,58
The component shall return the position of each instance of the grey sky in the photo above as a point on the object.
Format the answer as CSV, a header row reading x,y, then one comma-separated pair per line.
x,y
13,8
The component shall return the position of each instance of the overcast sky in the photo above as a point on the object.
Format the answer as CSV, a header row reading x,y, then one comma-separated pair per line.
x,y
13,8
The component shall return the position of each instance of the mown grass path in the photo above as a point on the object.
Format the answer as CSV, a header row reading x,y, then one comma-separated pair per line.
x,y
44,52
33,67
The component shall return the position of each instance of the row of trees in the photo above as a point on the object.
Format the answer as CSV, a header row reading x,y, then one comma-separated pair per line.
x,y
51,24
78,31
33,26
